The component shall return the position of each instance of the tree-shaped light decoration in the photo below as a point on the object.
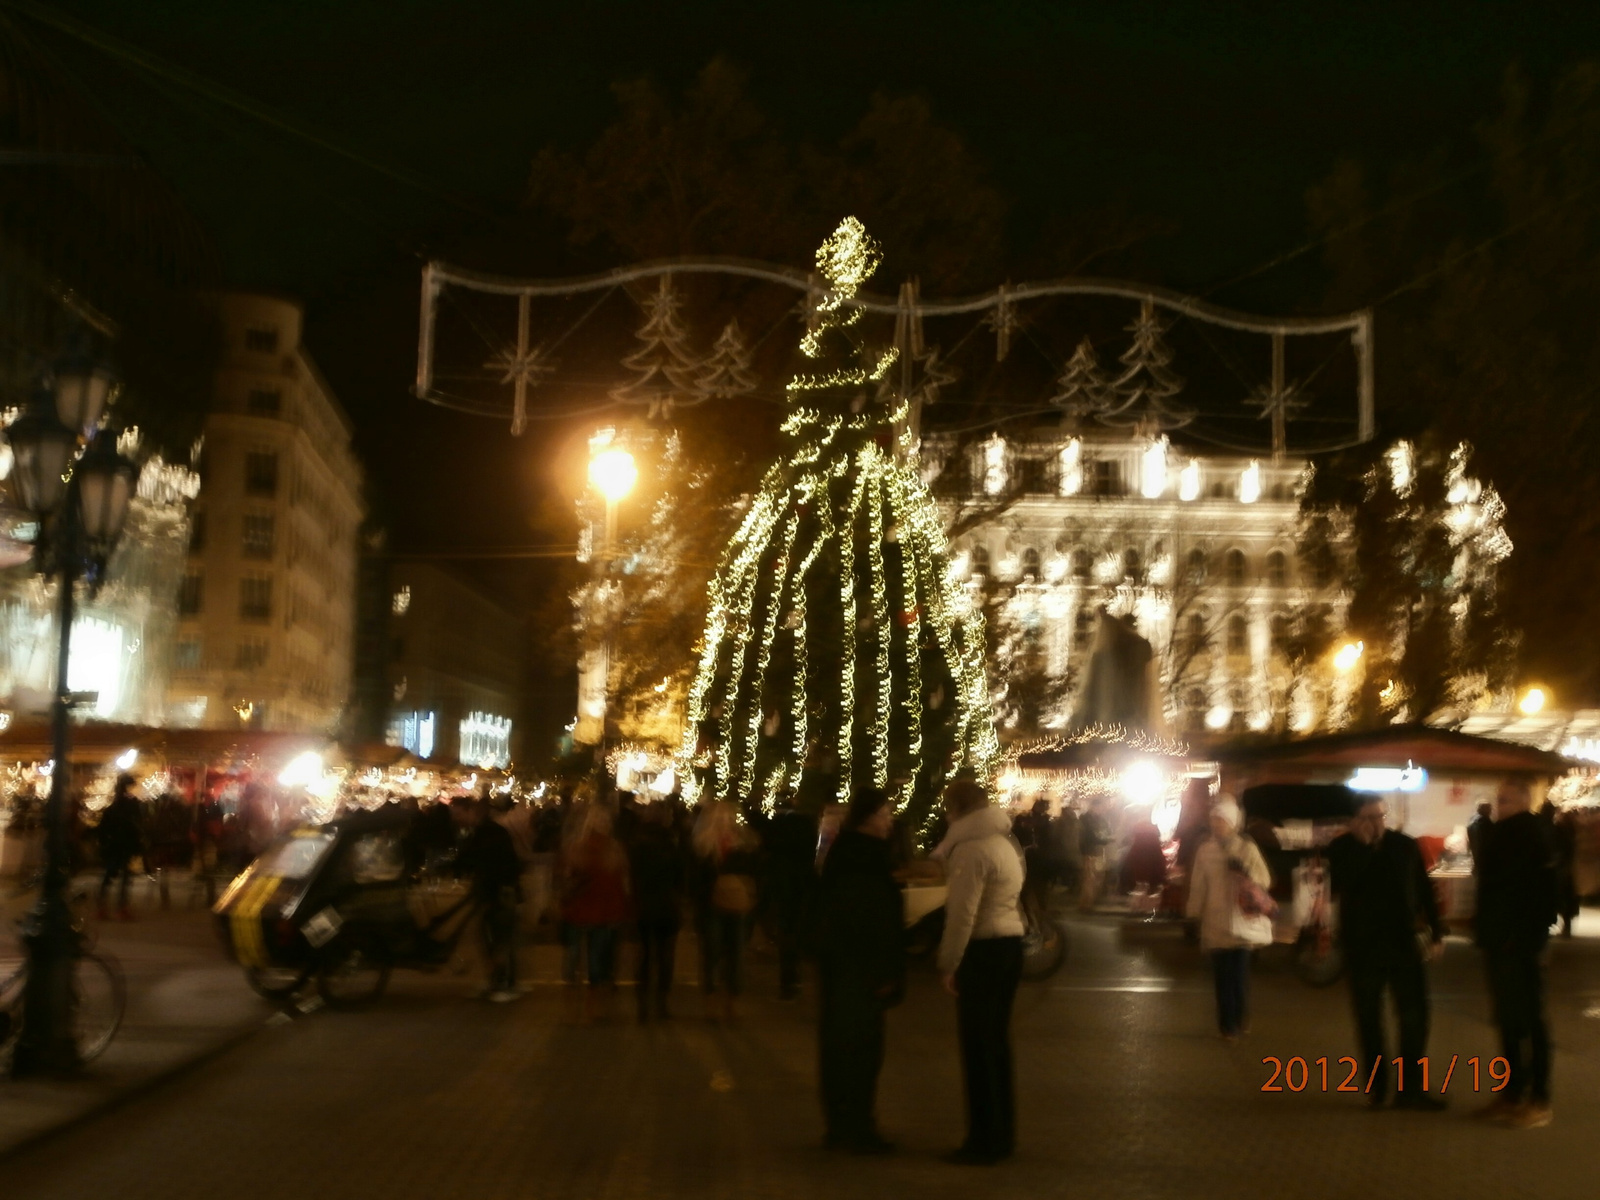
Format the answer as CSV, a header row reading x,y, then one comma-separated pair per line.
x,y
1083,389
1147,383
665,369
838,653
726,373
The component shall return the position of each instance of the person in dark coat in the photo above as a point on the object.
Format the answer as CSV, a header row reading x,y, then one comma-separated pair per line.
x,y
656,860
791,845
489,856
860,936
121,836
1477,829
1516,907
1385,901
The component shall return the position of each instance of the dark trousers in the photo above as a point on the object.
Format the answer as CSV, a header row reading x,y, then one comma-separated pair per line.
x,y
1402,974
850,1055
117,865
987,982
786,931
500,943
1230,969
721,950
658,946
1516,981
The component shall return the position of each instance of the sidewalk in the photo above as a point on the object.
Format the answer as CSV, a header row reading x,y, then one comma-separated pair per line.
x,y
186,1002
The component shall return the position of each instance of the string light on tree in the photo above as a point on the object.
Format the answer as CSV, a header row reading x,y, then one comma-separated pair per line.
x,y
839,651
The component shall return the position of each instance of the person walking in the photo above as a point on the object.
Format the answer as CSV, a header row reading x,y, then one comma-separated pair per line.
x,y
1223,865
980,959
791,874
594,905
860,936
488,854
121,836
725,895
656,864
1386,908
1516,907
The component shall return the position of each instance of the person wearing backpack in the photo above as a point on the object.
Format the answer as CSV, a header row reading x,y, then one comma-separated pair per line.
x,y
1229,878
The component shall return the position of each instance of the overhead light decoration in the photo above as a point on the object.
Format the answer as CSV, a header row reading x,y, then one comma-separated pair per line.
x,y
833,608
1388,779
126,759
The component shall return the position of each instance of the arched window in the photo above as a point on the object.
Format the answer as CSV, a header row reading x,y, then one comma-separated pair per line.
x,y
1081,562
1132,565
1238,635
1197,565
1082,629
980,560
1235,568
1030,563
1280,633
1195,635
1277,569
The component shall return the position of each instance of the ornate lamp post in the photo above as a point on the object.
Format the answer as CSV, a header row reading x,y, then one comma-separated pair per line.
x,y
80,498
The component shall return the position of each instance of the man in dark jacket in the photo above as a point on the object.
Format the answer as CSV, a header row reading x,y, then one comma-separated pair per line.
x,y
487,853
1386,901
861,955
121,835
1516,907
791,845
656,859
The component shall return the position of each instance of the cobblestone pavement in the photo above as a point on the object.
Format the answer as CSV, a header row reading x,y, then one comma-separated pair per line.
x,y
1125,1092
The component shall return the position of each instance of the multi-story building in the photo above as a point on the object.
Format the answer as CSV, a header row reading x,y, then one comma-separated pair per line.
x,y
449,671
1198,550
267,604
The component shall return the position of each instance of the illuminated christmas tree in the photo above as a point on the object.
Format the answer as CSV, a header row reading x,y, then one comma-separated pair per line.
x,y
664,368
838,652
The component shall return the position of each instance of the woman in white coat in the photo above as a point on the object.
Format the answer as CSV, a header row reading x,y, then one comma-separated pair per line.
x,y
1222,861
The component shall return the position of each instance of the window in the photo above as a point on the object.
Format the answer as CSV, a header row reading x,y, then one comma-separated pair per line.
x,y
1236,568
1238,635
1277,569
401,604
1280,633
264,402
250,655
255,598
186,655
261,473
1030,562
1132,565
191,593
1197,565
197,532
1196,635
1105,477
257,541
1321,571
1081,562
980,560
1082,629
262,341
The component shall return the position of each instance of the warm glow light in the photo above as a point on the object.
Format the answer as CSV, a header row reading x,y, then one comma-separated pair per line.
x,y
1143,783
1347,656
303,770
1533,701
1250,483
1072,468
127,758
613,473
1189,481
1153,473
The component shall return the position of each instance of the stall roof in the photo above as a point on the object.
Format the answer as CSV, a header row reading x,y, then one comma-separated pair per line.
x,y
1399,745
96,741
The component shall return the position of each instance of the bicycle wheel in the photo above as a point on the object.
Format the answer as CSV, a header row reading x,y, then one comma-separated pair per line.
x,y
99,999
1044,946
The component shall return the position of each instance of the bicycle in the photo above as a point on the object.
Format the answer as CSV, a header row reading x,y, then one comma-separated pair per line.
x,y
99,1000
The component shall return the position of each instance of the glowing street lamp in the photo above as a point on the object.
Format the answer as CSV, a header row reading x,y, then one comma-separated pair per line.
x,y
613,473
1347,656
1532,701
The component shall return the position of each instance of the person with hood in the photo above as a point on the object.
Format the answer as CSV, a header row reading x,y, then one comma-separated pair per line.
x,y
1223,864
980,959
861,961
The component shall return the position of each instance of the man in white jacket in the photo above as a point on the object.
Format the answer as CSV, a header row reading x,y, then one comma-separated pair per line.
x,y
981,961
1223,863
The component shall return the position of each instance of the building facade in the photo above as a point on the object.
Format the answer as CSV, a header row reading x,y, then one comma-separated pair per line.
x,y
1197,550
452,669
267,603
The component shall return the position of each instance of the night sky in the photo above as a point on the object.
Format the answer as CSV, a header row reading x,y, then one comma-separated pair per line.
x,y
1213,116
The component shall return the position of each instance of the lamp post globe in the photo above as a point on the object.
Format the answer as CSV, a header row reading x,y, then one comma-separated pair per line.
x,y
83,384
613,473
105,488
42,449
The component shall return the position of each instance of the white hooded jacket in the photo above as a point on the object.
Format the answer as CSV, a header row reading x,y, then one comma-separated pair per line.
x,y
984,872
